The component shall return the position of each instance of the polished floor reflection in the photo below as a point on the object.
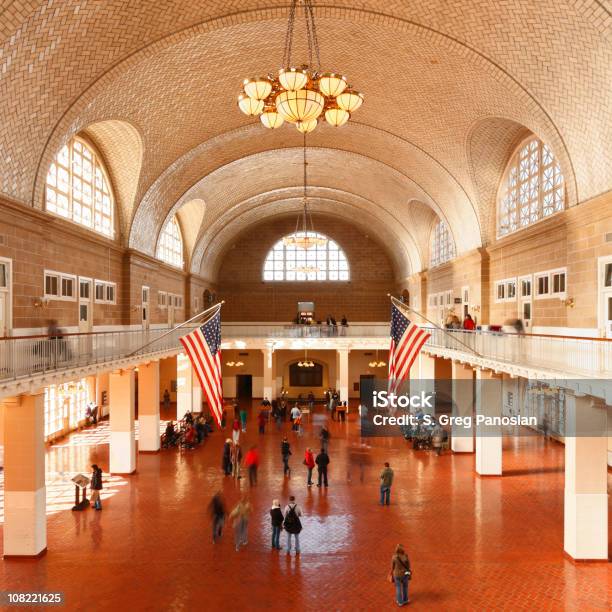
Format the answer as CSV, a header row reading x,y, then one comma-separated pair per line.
x,y
474,543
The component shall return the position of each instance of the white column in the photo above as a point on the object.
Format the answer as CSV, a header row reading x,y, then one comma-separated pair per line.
x,y
488,437
427,380
462,440
268,374
148,407
185,377
122,433
25,519
586,494
196,396
343,373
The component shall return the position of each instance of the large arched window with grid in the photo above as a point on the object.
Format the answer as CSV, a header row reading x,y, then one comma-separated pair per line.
x,y
78,188
532,188
322,262
170,244
442,247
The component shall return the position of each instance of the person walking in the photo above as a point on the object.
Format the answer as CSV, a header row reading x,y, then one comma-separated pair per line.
x,y
400,575
240,517
276,516
261,422
251,460
243,418
386,480
226,462
96,486
292,524
236,460
296,415
217,512
324,435
286,453
309,462
166,399
322,462
236,430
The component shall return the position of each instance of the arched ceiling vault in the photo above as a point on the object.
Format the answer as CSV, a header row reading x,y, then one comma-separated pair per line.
x,y
432,72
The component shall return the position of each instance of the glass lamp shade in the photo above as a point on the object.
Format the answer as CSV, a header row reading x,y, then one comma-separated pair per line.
x,y
272,119
292,79
258,88
332,85
350,100
306,126
250,106
336,116
300,105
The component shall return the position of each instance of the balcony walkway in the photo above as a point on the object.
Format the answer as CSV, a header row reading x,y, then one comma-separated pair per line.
x,y
27,363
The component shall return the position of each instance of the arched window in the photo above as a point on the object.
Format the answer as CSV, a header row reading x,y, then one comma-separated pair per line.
x,y
170,245
78,188
442,245
532,187
323,262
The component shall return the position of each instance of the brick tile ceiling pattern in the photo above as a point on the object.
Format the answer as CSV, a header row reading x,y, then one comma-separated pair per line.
x,y
450,84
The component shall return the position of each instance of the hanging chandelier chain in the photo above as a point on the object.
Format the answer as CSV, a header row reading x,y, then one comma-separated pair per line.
x,y
311,35
289,34
314,42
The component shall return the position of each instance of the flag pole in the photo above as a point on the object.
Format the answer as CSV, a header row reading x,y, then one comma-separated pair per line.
x,y
200,314
401,305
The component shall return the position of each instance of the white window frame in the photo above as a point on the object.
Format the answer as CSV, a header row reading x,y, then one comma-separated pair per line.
x,y
60,276
162,299
558,294
536,285
449,297
106,286
521,279
496,295
506,283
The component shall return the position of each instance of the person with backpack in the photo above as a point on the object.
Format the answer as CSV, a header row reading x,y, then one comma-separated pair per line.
x,y
96,486
292,524
309,462
286,453
400,574
322,462
276,516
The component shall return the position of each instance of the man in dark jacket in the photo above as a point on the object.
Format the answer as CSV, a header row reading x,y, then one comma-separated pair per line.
x,y
286,452
322,462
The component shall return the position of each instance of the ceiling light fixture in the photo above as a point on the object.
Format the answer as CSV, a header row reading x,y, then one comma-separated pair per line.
x,y
300,95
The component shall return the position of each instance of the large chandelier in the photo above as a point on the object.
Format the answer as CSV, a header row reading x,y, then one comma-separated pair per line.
x,y
300,95
305,236
306,363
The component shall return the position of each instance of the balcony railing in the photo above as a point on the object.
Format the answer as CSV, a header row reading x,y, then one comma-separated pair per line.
x,y
27,356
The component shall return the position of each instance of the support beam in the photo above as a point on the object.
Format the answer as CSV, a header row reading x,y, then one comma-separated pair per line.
x,y
185,378
122,431
427,380
462,440
268,374
148,407
343,373
586,493
488,437
25,519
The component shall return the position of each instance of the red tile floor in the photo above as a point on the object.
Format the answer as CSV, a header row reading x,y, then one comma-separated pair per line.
x,y
475,544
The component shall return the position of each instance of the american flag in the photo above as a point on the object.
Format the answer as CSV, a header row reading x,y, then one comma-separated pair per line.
x,y
407,339
203,347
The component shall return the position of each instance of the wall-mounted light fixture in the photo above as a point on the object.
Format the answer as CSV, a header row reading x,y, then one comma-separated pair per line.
x,y
569,302
41,302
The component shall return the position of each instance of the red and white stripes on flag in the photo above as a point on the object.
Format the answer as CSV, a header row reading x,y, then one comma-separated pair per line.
x,y
407,339
203,347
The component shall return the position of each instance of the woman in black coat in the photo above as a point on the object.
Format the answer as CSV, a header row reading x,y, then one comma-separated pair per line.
x,y
276,516
96,486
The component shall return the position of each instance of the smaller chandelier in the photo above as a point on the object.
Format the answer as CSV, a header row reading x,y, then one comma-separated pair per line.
x,y
376,363
306,363
300,95
307,269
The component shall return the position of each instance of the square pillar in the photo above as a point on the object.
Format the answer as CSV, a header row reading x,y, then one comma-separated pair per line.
x,y
488,437
462,440
427,380
343,373
25,518
148,407
586,493
122,394
268,374
185,378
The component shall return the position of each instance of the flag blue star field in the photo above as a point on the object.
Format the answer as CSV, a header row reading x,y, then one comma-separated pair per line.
x,y
203,347
407,339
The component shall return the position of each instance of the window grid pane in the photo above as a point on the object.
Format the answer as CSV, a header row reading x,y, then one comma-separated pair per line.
x,y
77,188
282,261
442,245
170,245
533,188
